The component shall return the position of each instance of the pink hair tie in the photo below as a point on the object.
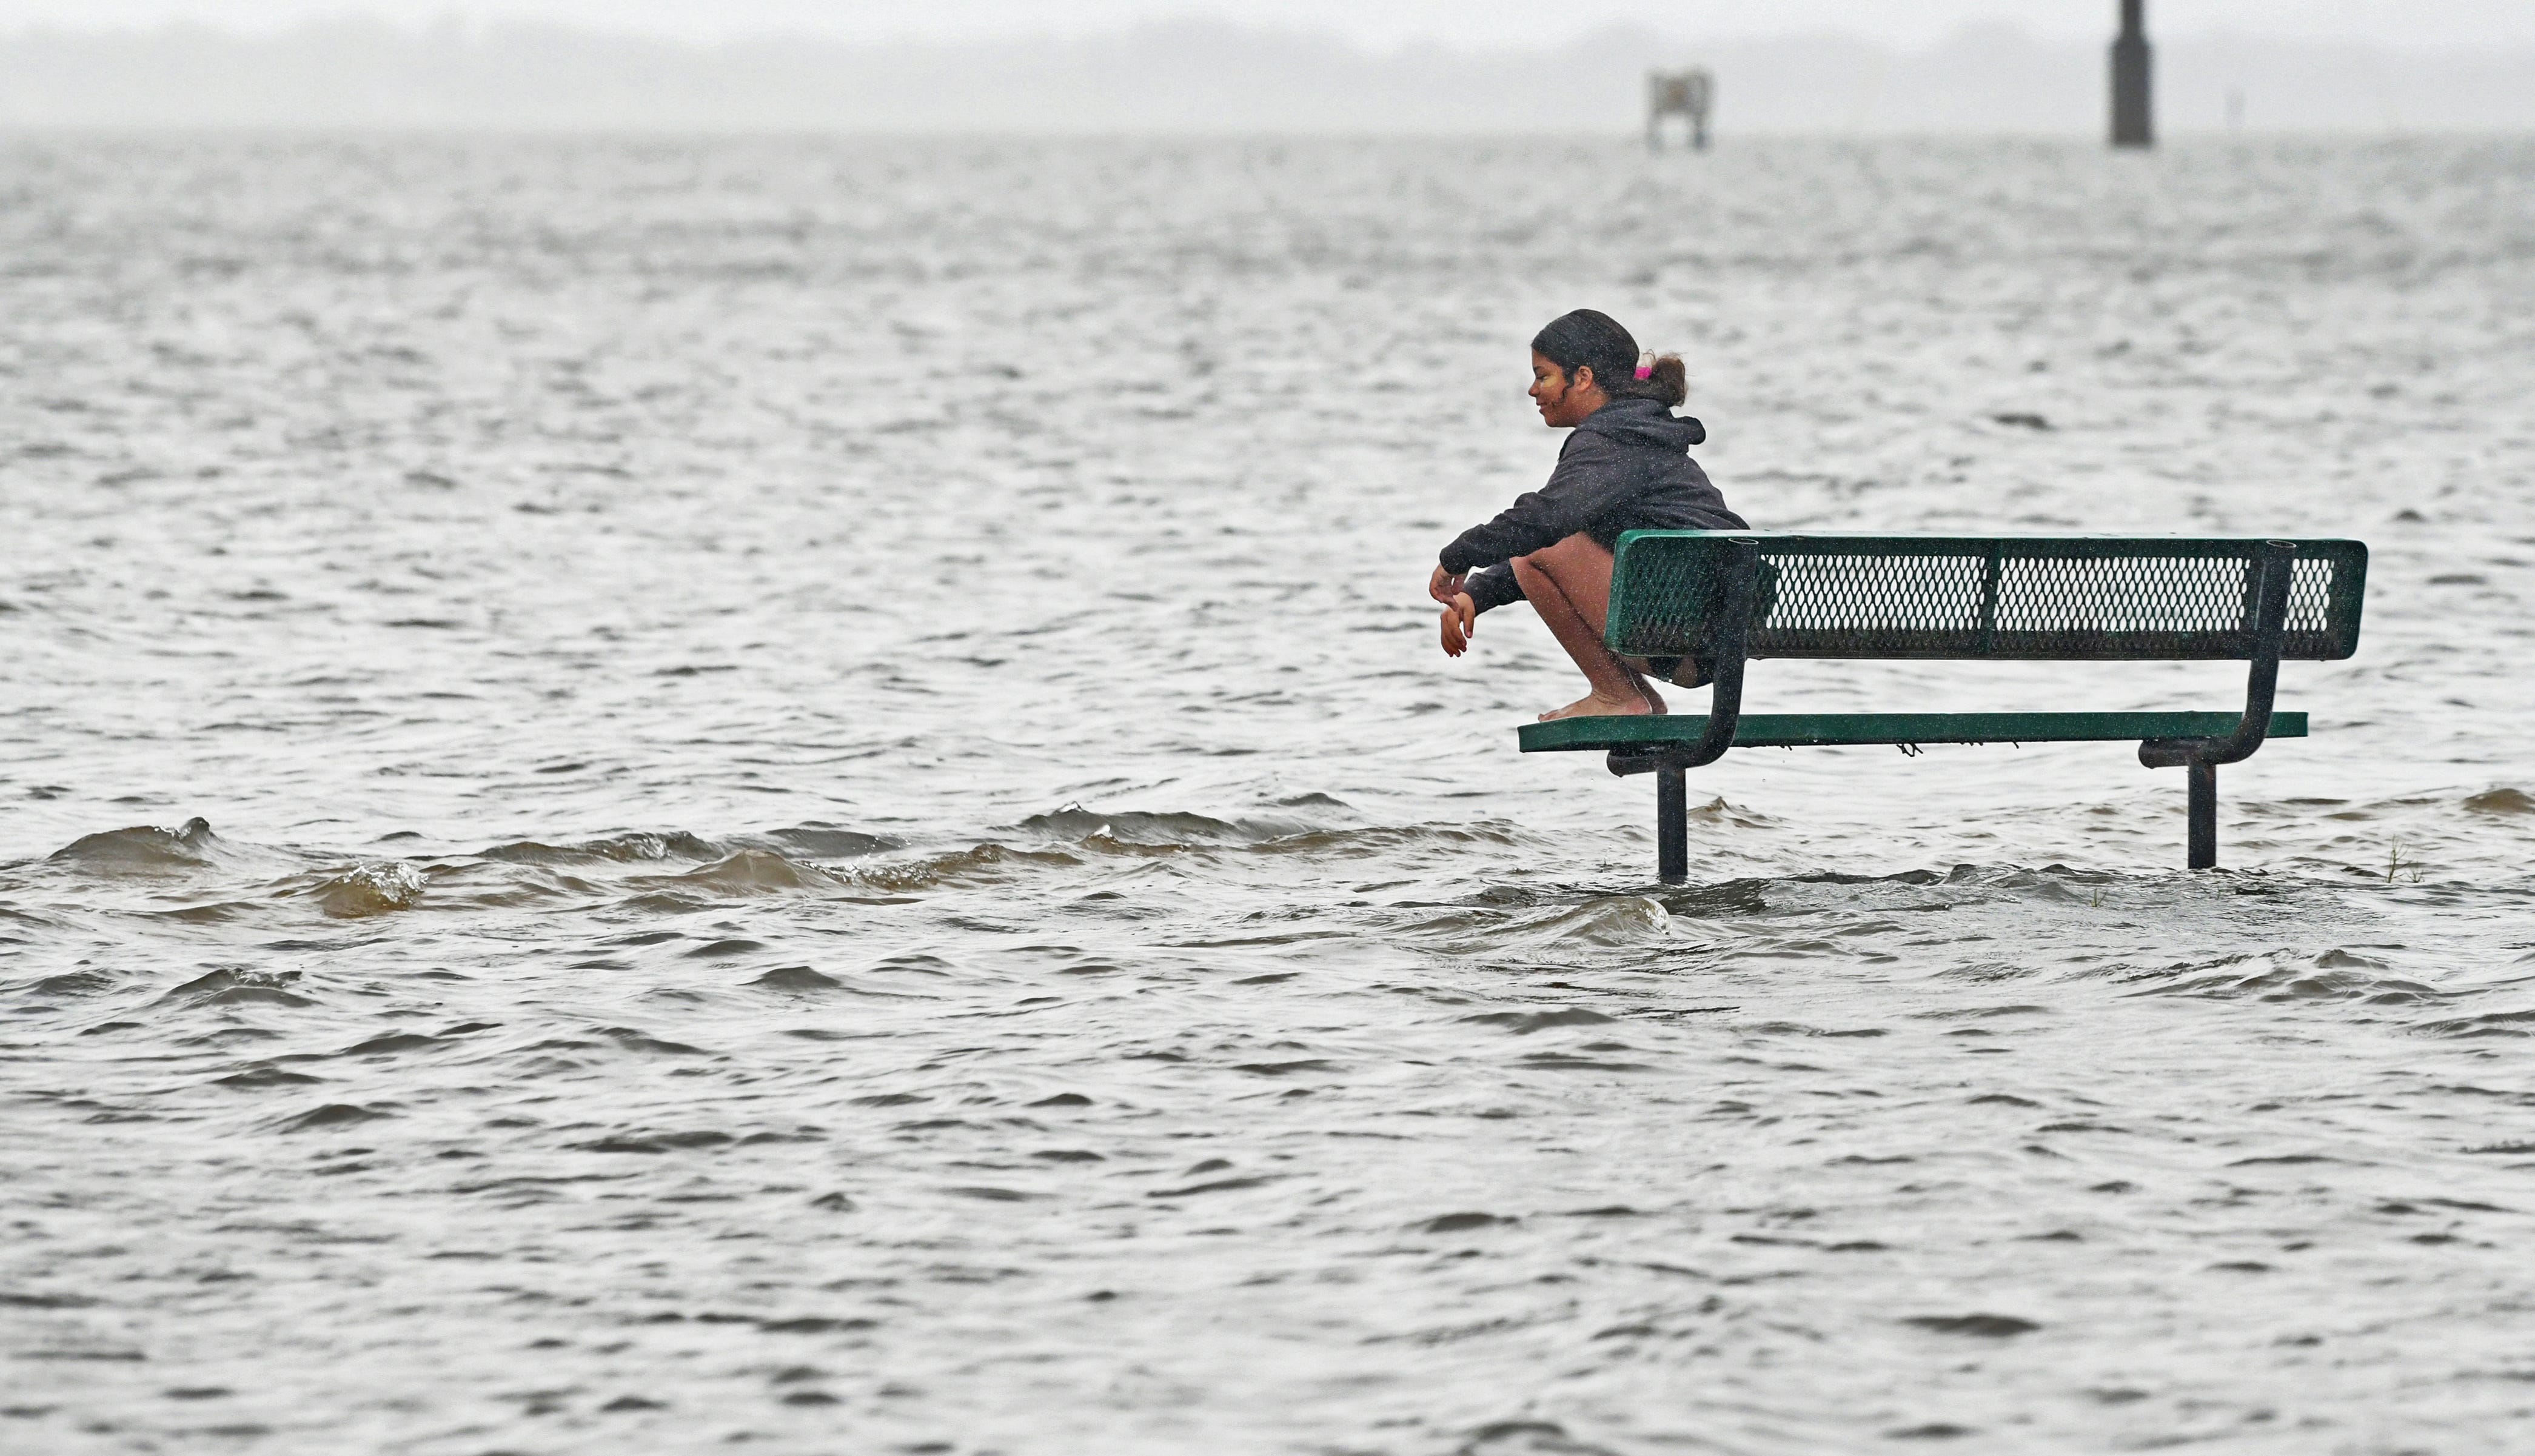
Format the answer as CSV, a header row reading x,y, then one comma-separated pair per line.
x,y
1646,364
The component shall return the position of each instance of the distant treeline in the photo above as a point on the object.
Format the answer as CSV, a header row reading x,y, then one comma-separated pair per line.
x,y
1204,77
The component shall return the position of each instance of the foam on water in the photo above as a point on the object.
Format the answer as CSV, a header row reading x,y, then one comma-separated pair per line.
x,y
839,826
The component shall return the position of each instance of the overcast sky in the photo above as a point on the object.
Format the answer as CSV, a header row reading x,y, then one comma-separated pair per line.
x,y
1462,23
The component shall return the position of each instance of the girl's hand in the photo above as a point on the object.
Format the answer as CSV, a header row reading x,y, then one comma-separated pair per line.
x,y
1460,620
1442,585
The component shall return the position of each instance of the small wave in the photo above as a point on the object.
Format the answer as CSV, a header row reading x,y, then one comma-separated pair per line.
x,y
1462,1223
1145,830
1537,925
370,890
1731,816
1622,920
1141,832
476,884
2504,801
266,1075
390,1044
2055,883
2488,1024
2333,976
632,848
757,872
819,842
655,1142
145,847
1726,899
1978,1326
1169,830
643,1042
69,983
218,912
1524,1023
1373,840
937,871
335,1115
797,979
236,987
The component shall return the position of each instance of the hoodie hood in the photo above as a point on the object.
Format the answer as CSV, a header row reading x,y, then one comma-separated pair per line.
x,y
1645,424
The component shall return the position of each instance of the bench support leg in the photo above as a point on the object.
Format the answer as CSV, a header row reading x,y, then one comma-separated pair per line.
x,y
1672,825
2204,816
2266,609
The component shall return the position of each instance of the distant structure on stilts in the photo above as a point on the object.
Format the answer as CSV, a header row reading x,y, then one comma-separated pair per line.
x,y
2133,119
1686,94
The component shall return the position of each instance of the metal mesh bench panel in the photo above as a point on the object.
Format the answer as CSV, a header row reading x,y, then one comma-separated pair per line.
x,y
1974,598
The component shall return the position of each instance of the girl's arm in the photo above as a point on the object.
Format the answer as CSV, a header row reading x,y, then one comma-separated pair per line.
x,y
1585,484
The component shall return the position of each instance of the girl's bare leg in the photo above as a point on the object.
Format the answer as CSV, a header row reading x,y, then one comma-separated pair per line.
x,y
1569,585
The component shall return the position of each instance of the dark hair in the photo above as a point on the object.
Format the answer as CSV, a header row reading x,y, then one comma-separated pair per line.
x,y
1588,338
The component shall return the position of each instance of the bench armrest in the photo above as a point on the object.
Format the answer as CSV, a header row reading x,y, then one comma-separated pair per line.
x,y
2269,619
1732,640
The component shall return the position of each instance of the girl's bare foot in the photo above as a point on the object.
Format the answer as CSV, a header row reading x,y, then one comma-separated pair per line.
x,y
1598,707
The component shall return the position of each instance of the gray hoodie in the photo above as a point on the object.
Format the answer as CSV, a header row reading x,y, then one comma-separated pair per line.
x,y
1626,468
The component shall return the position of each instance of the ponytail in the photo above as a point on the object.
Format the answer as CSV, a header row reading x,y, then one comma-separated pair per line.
x,y
1591,339
1667,383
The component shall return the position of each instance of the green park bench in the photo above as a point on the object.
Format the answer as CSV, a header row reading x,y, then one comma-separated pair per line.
x,y
1719,598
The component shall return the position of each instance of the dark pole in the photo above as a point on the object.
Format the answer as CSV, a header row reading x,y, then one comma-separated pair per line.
x,y
2133,119
1672,825
2202,852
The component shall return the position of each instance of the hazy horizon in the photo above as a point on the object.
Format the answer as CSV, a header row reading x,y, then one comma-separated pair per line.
x,y
1194,74
1520,23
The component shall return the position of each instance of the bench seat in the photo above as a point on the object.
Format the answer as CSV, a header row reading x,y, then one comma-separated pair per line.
x,y
1819,730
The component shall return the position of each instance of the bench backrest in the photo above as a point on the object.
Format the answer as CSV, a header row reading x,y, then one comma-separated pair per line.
x,y
2061,598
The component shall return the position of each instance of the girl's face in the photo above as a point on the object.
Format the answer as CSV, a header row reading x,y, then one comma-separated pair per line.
x,y
1564,402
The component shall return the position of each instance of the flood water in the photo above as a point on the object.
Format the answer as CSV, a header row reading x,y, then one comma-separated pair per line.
x,y
671,795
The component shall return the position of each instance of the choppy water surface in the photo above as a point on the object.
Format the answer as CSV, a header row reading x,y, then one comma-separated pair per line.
x,y
666,795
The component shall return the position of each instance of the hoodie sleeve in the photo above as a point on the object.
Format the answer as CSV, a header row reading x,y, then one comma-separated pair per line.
x,y
1586,483
1493,587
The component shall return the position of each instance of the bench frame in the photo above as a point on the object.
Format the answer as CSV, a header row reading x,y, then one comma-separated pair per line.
x,y
2198,743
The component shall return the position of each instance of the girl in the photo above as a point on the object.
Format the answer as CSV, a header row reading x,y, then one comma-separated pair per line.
x,y
1626,467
